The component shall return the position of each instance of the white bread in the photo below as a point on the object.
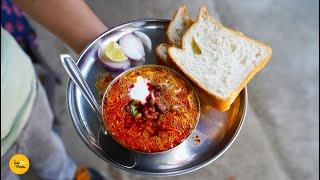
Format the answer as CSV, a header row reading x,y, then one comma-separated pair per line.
x,y
219,60
162,52
178,26
180,23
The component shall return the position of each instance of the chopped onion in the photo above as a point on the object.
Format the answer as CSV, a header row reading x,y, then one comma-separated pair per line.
x,y
145,39
132,47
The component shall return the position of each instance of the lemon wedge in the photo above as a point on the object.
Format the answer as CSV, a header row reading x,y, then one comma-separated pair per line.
x,y
114,52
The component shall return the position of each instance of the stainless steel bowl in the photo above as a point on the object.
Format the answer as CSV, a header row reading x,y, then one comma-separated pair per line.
x,y
188,84
216,130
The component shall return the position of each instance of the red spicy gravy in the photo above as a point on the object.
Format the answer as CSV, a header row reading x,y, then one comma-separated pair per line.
x,y
166,118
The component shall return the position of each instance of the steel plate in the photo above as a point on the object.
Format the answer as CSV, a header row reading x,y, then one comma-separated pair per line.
x,y
216,130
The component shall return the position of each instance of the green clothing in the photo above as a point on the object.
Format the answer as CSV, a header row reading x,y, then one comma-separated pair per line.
x,y
18,90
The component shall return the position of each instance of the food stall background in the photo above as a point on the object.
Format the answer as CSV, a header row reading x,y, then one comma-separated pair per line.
x,y
280,136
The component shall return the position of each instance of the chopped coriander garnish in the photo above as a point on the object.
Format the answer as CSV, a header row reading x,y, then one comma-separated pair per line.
x,y
134,108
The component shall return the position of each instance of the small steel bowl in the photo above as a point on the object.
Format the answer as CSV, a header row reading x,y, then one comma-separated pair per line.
x,y
188,84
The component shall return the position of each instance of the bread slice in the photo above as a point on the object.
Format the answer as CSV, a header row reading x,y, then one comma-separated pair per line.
x,y
178,26
219,60
180,20
162,52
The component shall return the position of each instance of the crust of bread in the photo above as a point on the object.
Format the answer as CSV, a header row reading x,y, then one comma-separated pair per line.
x,y
166,61
161,60
218,102
187,20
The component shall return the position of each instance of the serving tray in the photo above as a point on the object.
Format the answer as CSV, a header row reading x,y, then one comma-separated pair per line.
x,y
213,136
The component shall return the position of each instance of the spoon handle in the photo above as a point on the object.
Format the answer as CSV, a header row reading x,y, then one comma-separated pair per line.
x,y
76,76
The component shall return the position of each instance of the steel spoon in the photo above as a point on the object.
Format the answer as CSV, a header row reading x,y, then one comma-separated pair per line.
x,y
128,157
76,76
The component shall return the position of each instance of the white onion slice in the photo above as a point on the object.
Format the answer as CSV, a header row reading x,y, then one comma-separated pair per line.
x,y
132,47
145,39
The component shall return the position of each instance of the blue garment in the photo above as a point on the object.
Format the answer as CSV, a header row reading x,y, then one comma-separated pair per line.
x,y
16,23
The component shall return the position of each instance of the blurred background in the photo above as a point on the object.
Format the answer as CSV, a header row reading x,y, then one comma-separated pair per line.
x,y
280,137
